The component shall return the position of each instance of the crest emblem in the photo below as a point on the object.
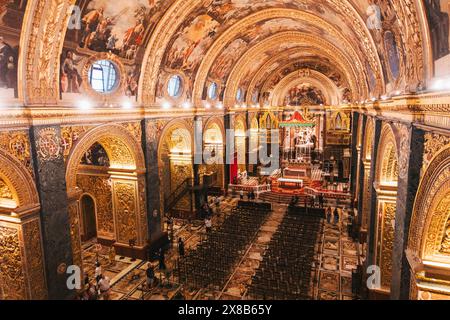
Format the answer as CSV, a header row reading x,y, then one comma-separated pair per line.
x,y
48,144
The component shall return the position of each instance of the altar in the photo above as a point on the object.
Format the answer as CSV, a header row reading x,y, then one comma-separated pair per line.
x,y
290,182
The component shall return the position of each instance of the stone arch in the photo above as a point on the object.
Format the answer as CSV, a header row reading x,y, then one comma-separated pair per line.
x,y
431,211
175,163
386,183
217,123
124,151
320,81
19,181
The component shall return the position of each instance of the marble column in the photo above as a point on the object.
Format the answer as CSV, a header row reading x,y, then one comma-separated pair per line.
x,y
153,184
354,159
372,210
410,164
51,183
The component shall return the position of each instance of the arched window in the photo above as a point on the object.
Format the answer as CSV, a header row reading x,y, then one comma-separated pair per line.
x,y
103,76
239,95
212,91
174,86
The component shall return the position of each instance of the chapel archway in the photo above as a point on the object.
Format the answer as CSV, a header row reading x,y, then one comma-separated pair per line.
x,y
386,184
108,163
214,148
176,169
22,273
429,236
367,164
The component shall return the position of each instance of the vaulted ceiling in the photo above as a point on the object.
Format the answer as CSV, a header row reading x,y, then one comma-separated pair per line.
x,y
357,49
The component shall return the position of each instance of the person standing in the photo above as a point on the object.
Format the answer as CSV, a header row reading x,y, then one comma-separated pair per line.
x,y
150,273
336,216
329,214
241,194
104,286
98,272
321,200
180,247
208,224
162,263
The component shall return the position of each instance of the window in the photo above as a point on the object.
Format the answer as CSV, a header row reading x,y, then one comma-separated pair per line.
x,y
239,95
174,86
212,91
103,76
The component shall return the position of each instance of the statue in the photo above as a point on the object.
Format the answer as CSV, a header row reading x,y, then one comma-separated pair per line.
x,y
445,246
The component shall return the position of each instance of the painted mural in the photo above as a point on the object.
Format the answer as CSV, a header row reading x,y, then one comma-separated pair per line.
x,y
304,94
196,35
438,14
122,28
11,18
96,156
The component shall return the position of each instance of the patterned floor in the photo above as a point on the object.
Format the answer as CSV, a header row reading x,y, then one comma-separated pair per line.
x,y
339,257
336,251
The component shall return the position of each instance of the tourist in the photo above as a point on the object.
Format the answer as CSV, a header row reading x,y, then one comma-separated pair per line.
x,y
336,216
98,271
92,292
208,224
104,287
329,214
321,200
180,247
150,276
162,263
241,194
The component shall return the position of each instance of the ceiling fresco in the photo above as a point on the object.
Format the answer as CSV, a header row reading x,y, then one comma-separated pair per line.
x,y
396,46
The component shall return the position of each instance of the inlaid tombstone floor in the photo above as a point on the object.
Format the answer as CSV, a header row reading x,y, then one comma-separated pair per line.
x,y
339,257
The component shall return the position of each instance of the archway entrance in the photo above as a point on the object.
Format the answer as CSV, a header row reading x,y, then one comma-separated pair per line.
x,y
176,170
22,266
386,184
106,191
429,235
89,220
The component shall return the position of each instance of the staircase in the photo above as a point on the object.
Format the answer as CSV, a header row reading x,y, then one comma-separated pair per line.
x,y
171,201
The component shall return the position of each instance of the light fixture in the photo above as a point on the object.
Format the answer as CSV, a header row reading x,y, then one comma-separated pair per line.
x,y
166,105
207,105
186,105
84,104
127,105
219,105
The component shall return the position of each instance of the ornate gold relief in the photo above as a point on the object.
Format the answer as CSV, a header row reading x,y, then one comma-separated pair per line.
x,y
125,211
48,144
433,144
35,260
387,213
12,278
74,219
135,129
99,187
17,143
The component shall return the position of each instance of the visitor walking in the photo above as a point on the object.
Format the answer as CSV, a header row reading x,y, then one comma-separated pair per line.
x,y
104,287
336,216
180,247
150,273
98,272
162,263
329,214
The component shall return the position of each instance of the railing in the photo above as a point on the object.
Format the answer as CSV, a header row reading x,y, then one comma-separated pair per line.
x,y
178,194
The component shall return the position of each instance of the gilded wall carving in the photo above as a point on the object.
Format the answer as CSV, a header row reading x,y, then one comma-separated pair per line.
x,y
429,220
70,135
35,260
433,144
75,237
143,210
125,211
179,173
100,188
12,277
48,144
5,191
387,229
17,143
135,129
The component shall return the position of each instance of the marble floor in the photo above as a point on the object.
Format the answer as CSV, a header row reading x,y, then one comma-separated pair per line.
x,y
337,253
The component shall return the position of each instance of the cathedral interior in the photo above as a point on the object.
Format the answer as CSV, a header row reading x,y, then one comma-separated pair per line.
x,y
225,149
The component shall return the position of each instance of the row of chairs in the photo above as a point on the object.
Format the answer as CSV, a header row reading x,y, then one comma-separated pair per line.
x,y
212,262
289,265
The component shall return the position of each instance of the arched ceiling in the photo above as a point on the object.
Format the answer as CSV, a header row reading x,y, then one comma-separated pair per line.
x,y
252,45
